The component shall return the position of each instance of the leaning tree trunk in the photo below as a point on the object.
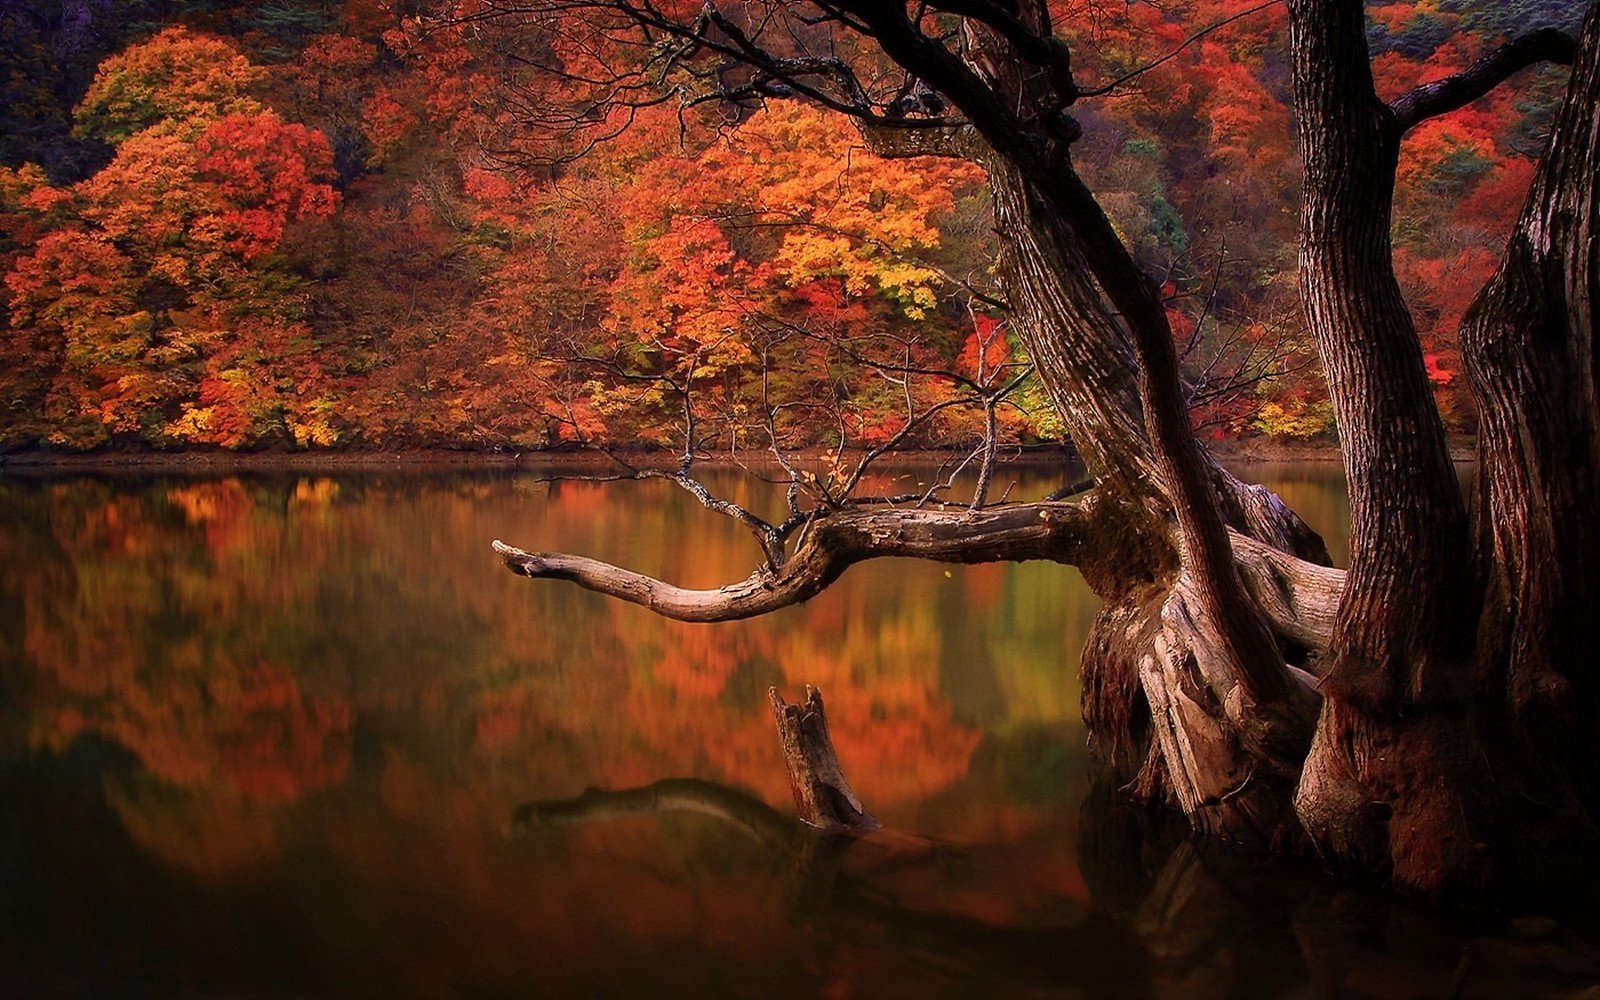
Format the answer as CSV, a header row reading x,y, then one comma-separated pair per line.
x,y
1529,344
1227,720
1175,621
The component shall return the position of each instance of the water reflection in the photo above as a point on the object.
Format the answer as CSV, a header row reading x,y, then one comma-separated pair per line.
x,y
264,734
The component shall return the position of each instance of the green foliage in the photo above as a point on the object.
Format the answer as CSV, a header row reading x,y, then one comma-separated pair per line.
x,y
1509,18
1457,171
178,79
290,24
1166,226
1419,39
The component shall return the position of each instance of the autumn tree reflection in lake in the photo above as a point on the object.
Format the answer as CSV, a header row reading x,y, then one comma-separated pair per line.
x,y
268,735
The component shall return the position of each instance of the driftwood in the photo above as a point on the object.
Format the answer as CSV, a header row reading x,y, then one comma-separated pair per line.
x,y
822,796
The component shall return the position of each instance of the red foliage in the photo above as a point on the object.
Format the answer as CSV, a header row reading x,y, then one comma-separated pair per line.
x,y
331,248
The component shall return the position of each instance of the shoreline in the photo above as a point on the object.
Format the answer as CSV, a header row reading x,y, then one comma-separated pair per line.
x,y
414,460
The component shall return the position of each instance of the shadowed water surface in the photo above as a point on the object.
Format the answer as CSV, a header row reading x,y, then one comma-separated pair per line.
x,y
303,735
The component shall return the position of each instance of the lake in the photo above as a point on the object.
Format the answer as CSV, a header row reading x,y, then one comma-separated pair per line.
x,y
302,735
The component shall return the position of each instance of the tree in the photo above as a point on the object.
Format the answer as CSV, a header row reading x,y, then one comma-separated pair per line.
x,y
1426,716
159,283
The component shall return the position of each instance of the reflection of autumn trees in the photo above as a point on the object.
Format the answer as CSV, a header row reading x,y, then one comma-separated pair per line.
x,y
346,710
240,638
116,642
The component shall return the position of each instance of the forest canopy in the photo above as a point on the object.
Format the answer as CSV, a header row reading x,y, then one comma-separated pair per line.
x,y
304,224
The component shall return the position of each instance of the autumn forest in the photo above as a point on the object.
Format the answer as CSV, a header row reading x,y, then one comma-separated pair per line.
x,y
446,446
306,224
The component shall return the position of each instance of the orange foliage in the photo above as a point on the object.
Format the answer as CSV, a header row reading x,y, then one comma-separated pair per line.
x,y
351,205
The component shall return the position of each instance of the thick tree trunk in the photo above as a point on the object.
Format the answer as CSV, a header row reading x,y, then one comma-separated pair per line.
x,y
1414,772
1529,343
1184,683
1398,637
1228,721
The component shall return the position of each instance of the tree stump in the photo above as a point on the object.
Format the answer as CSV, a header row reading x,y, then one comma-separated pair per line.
x,y
822,796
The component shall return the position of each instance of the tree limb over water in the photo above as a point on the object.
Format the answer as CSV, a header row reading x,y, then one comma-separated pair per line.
x,y
1298,597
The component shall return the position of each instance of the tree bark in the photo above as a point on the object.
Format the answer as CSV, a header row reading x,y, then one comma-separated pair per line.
x,y
1398,637
822,796
1411,774
1529,345
1226,710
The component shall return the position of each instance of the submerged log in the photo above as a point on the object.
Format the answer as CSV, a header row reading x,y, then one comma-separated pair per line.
x,y
822,796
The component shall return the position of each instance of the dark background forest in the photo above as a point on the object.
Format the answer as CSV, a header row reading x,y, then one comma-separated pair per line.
x,y
309,224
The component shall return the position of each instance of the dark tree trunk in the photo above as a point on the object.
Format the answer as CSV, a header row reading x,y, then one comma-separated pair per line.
x,y
1413,772
1224,720
1399,661
1529,343
1397,638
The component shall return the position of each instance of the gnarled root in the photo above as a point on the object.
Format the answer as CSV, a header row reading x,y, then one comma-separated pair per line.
x,y
1229,760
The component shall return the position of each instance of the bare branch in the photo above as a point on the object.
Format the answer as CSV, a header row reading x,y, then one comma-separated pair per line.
x,y
1101,91
1054,531
1460,89
1298,598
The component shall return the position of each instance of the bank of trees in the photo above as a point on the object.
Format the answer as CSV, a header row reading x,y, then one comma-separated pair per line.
x,y
431,269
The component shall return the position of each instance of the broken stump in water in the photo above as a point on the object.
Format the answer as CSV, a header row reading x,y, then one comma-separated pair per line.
x,y
821,795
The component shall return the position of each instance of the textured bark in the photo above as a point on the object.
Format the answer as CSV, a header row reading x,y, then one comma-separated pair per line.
x,y
1390,756
1529,344
1160,541
1398,636
1229,720
822,796
1084,360
1416,773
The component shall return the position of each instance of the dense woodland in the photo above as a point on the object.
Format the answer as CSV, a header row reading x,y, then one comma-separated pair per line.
x,y
309,223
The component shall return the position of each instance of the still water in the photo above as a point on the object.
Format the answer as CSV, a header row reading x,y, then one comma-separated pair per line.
x,y
302,735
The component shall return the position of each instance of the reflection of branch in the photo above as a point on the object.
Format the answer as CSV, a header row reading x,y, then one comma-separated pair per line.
x,y
850,904
739,810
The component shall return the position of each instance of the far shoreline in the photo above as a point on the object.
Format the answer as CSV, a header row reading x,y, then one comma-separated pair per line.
x,y
578,461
